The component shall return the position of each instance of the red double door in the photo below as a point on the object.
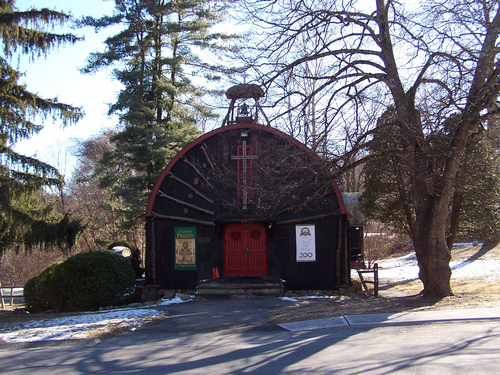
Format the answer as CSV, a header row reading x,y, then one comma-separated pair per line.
x,y
245,250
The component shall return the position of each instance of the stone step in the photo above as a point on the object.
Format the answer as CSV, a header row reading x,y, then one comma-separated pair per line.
x,y
275,290
240,288
239,285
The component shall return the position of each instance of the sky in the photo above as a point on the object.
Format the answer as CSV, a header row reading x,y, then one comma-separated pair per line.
x,y
57,75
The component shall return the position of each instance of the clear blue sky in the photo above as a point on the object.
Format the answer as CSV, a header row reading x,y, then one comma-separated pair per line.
x,y
58,76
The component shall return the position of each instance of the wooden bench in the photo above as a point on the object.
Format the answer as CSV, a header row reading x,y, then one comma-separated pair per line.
x,y
10,292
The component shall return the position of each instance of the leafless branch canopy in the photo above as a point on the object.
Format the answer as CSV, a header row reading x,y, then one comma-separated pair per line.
x,y
333,67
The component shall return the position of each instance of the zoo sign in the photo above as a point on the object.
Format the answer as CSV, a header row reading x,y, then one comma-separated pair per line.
x,y
306,243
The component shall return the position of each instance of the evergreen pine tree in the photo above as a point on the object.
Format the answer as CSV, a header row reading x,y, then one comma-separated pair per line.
x,y
155,56
26,217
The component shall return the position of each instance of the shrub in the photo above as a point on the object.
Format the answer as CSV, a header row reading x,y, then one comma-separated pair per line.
x,y
85,281
43,292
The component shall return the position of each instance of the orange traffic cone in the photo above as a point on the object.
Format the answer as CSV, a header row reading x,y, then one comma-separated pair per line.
x,y
215,273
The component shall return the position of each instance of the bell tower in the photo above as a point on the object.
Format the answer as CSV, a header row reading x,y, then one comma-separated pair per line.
x,y
241,109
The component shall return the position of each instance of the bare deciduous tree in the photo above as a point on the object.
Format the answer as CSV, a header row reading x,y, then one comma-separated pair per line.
x,y
432,64
100,210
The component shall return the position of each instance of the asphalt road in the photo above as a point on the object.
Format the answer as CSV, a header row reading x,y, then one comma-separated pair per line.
x,y
231,337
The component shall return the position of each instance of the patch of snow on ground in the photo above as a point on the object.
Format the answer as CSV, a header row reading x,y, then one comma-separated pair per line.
x,y
481,268
317,297
81,326
406,268
288,299
172,301
77,326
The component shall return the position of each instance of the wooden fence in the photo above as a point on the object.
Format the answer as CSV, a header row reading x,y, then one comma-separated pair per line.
x,y
10,292
374,271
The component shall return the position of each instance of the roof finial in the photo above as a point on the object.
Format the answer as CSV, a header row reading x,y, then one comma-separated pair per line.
x,y
244,75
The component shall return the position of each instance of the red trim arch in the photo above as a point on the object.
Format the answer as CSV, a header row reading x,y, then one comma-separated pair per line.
x,y
202,138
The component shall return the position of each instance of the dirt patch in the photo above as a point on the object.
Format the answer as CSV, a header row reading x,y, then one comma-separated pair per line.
x,y
118,329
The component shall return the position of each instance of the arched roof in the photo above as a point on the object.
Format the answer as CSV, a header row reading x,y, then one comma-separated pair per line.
x,y
220,130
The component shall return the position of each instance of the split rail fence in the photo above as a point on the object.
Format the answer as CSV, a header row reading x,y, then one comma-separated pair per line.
x,y
10,292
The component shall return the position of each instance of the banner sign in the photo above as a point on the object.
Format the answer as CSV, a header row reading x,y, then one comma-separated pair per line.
x,y
185,248
306,243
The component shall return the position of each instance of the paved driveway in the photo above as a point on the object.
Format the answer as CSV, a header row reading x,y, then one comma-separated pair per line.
x,y
231,337
219,315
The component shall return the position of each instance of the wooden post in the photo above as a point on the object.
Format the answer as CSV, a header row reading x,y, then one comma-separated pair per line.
x,y
363,282
197,192
338,257
11,296
375,279
1,296
153,251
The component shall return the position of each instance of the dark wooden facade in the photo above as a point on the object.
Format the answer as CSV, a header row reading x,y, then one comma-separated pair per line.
x,y
245,188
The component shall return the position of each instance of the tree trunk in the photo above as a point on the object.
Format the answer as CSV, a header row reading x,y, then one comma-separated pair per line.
x,y
433,254
432,194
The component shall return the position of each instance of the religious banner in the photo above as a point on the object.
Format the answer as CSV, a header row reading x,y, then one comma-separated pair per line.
x,y
185,248
306,243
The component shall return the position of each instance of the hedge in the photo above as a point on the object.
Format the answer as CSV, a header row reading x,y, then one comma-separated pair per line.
x,y
85,281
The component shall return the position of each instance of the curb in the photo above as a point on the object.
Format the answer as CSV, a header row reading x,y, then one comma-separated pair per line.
x,y
394,318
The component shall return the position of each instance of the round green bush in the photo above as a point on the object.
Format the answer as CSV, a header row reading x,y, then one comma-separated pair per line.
x,y
85,281
43,292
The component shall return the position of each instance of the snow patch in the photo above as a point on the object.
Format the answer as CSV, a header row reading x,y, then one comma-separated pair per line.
x,y
406,268
176,299
288,299
78,326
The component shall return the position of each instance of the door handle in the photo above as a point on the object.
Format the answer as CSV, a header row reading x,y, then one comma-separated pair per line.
x,y
246,250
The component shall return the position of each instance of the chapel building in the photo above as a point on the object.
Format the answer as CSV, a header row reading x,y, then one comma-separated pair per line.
x,y
247,202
